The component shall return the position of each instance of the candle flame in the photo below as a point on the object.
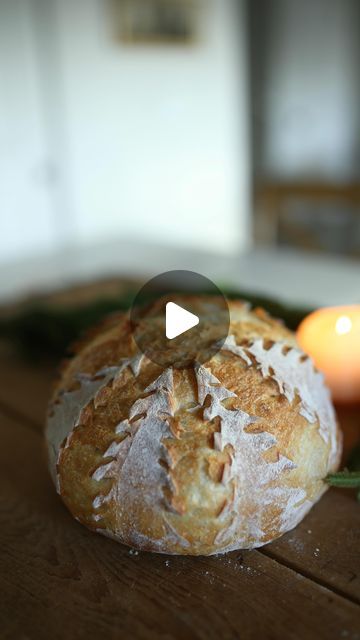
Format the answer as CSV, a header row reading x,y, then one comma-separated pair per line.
x,y
343,325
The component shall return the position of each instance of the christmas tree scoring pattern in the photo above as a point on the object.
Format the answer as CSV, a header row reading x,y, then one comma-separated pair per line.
x,y
248,467
66,412
67,409
136,468
136,456
136,459
294,373
136,462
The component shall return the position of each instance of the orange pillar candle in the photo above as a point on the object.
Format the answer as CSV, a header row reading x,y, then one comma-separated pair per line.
x,y
331,336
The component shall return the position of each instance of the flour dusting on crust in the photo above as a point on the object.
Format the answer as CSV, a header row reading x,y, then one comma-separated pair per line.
x,y
136,469
248,467
136,457
230,345
180,465
294,373
66,411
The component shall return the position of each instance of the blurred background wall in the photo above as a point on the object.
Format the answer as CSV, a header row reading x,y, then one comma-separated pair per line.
x,y
143,135
306,88
305,112
105,139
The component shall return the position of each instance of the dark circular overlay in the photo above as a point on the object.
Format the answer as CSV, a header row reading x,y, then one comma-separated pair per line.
x,y
192,292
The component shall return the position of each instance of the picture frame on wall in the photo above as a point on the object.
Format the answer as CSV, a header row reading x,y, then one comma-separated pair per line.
x,y
155,21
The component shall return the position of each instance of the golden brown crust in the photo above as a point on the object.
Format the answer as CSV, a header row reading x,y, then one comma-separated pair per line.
x,y
194,461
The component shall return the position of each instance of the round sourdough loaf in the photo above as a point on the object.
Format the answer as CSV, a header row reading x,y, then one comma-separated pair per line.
x,y
225,455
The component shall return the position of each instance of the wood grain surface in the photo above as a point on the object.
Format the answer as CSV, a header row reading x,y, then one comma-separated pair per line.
x,y
58,580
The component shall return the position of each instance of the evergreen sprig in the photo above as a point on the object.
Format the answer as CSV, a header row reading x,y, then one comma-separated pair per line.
x,y
345,479
45,330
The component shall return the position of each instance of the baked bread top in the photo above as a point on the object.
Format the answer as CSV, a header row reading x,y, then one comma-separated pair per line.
x,y
224,455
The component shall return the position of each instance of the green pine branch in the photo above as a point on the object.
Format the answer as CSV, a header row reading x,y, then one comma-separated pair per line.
x,y
345,479
41,329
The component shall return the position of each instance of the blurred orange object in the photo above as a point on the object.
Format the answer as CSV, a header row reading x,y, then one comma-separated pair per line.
x,y
331,336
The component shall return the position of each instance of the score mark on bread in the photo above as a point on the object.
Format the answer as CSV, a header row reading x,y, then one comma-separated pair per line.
x,y
226,455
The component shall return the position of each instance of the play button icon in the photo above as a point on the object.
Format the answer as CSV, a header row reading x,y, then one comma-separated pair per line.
x,y
178,320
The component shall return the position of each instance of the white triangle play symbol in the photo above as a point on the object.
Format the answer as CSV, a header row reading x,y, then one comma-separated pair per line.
x,y
178,320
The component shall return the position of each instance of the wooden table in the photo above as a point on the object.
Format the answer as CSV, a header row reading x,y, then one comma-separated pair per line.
x,y
59,580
